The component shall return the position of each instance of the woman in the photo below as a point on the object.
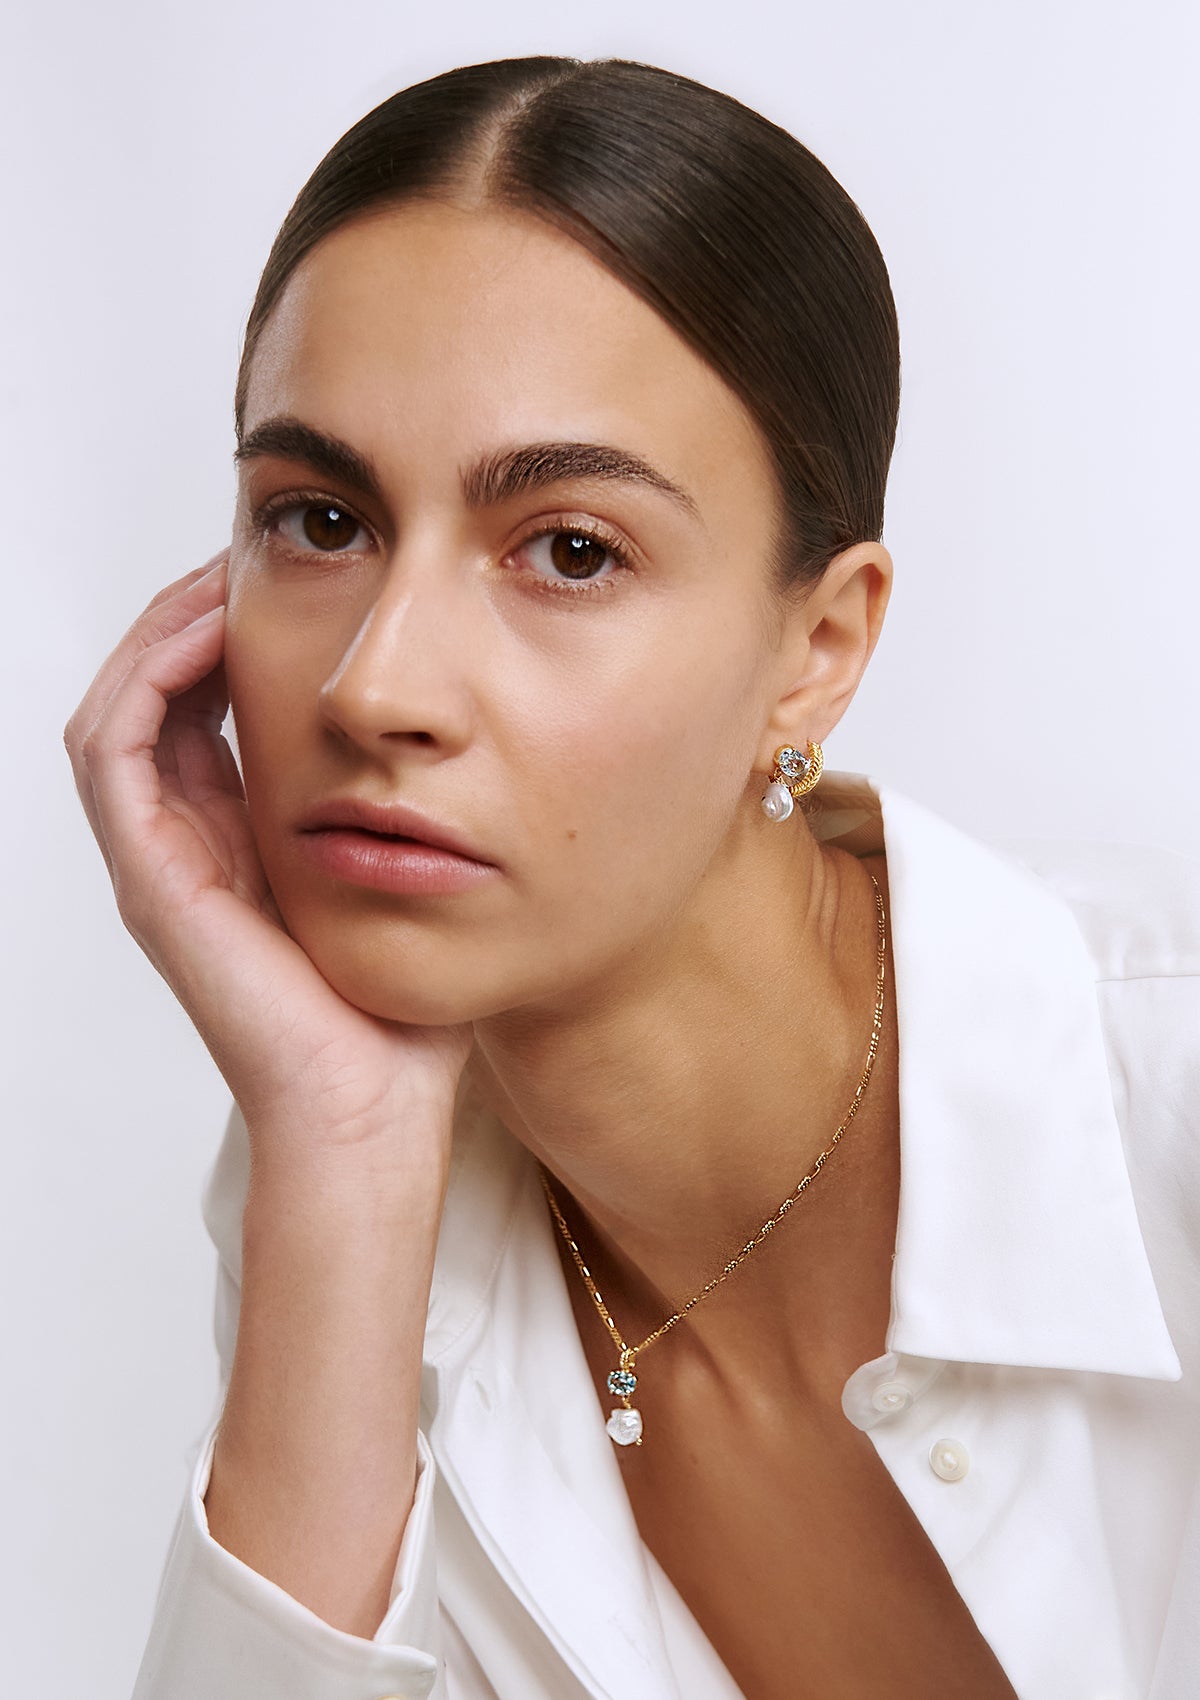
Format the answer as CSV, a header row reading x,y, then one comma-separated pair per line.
x,y
582,1333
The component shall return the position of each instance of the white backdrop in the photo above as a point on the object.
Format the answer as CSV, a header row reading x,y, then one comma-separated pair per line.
x,y
1030,170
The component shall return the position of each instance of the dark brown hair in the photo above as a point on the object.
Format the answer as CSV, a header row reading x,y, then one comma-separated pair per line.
x,y
723,222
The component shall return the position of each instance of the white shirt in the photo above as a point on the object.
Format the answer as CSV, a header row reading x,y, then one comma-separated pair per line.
x,y
1038,1403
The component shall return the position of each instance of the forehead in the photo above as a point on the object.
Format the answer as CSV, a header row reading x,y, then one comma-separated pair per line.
x,y
440,330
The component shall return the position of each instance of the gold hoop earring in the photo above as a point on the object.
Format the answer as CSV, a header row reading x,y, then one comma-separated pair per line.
x,y
792,777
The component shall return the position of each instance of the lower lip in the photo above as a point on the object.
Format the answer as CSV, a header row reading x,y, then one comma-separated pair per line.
x,y
389,864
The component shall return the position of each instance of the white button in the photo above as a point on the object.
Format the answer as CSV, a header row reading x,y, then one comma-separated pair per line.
x,y
891,1396
949,1460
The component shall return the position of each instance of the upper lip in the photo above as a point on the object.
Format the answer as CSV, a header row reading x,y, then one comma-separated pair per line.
x,y
392,819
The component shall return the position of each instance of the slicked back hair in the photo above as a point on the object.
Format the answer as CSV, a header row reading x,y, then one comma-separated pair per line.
x,y
719,219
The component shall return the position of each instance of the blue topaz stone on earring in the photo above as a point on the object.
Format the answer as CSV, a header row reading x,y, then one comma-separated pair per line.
x,y
621,1382
793,764
793,776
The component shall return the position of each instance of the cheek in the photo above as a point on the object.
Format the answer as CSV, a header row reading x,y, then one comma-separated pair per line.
x,y
272,667
605,767
637,770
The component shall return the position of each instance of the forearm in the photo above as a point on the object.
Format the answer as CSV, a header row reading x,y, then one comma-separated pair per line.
x,y
315,1460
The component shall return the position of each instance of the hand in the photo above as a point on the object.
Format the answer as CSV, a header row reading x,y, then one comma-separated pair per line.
x,y
161,788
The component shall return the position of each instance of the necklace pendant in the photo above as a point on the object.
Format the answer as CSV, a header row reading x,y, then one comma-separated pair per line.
x,y
625,1426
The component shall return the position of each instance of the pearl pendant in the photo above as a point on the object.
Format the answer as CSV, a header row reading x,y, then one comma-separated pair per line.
x,y
777,803
625,1426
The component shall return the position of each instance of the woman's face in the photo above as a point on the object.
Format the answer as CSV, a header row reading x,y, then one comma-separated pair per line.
x,y
568,668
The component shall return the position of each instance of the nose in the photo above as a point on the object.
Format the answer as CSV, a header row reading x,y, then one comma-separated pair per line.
x,y
401,676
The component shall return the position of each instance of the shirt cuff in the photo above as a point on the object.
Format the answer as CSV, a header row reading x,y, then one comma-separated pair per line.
x,y
223,1632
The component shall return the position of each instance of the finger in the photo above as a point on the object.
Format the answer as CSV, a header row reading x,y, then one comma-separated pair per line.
x,y
191,749
116,771
203,707
173,608
170,611
219,559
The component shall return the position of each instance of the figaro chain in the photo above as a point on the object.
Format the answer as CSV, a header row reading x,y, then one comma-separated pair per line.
x,y
625,1423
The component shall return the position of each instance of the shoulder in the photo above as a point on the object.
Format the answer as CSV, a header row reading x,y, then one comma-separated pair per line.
x,y
1138,909
1137,906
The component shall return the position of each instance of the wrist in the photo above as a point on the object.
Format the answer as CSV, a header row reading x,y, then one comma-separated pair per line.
x,y
393,1180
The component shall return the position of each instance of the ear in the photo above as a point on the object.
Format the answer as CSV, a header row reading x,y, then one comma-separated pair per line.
x,y
829,635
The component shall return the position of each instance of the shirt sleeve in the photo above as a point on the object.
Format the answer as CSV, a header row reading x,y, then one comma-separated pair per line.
x,y
223,1632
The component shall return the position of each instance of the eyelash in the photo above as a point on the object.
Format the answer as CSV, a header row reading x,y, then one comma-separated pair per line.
x,y
266,516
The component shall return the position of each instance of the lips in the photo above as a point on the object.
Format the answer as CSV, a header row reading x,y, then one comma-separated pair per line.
x,y
389,821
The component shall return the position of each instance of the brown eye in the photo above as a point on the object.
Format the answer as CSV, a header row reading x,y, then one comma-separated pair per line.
x,y
576,555
328,527
575,560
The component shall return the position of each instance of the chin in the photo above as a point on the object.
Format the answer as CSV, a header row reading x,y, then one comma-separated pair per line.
x,y
413,999
392,973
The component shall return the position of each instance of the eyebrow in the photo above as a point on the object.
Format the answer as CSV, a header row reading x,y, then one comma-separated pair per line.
x,y
494,478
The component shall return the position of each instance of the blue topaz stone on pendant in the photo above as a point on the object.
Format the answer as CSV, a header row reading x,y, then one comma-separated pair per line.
x,y
624,1425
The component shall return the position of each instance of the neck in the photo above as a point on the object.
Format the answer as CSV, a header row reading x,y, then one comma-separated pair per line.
x,y
676,1110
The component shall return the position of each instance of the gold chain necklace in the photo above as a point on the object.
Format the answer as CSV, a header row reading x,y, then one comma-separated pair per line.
x,y
625,1423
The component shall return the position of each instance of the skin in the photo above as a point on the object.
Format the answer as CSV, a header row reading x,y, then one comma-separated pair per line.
x,y
608,748
664,995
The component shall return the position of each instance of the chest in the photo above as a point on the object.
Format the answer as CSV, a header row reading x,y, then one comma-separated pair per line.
x,y
802,1562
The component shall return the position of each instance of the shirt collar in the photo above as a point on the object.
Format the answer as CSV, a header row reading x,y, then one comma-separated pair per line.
x,y
1017,1237
1017,1240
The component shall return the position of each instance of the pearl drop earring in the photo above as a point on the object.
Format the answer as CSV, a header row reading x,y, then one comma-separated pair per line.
x,y
793,776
